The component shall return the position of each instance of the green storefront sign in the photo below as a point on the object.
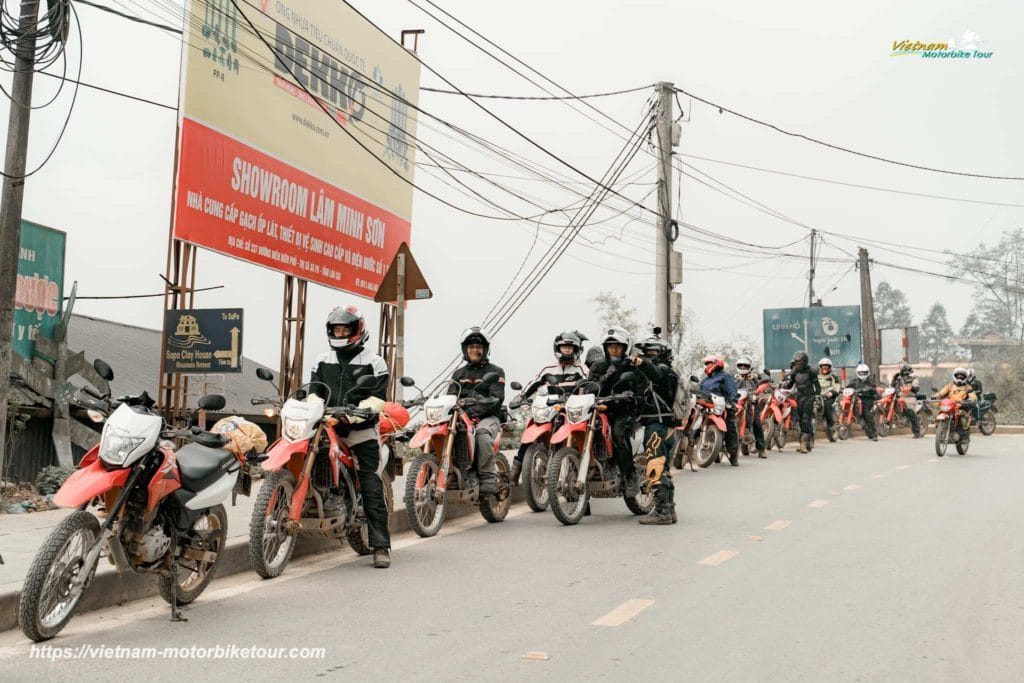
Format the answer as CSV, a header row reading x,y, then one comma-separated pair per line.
x,y
38,297
832,331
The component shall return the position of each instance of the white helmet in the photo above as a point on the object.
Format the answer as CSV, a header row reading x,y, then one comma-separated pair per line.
x,y
616,335
960,376
743,365
863,371
970,374
825,361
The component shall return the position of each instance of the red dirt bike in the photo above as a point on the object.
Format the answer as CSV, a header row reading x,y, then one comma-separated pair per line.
x,y
443,473
889,410
584,465
777,417
545,419
953,416
160,510
304,465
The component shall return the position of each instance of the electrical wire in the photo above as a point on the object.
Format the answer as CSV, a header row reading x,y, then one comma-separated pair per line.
x,y
130,17
537,97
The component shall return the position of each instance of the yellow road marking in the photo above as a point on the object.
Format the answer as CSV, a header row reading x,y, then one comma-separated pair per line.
x,y
755,538
903,467
623,613
718,558
851,487
778,525
820,503
878,476
537,656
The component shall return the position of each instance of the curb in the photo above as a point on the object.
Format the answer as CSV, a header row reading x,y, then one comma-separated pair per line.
x,y
109,588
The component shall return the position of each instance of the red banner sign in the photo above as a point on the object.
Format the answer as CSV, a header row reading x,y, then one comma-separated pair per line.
x,y
238,201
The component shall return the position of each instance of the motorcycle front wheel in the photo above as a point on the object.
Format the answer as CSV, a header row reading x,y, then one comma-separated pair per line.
x,y
535,484
843,432
709,448
49,597
270,544
426,516
567,504
942,437
208,534
884,427
780,437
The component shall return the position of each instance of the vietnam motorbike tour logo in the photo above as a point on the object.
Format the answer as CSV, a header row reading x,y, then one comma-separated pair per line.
x,y
967,46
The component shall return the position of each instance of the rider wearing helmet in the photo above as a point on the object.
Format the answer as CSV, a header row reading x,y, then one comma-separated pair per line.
x,y
975,383
745,379
805,381
960,390
718,381
476,349
905,378
830,385
866,391
558,378
657,418
608,373
338,369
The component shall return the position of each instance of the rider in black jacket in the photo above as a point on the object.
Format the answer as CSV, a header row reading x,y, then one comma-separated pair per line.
x,y
905,378
864,385
476,348
805,380
659,425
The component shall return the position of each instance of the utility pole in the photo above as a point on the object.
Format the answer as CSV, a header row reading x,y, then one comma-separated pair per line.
x,y
869,336
13,193
663,245
810,273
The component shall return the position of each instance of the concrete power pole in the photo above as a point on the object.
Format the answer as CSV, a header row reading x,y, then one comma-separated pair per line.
x,y
810,273
869,336
663,251
13,193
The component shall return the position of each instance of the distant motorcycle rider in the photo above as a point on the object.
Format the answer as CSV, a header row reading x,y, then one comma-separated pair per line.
x,y
476,348
558,378
745,379
659,426
608,373
960,389
719,382
339,369
864,387
805,381
905,378
830,386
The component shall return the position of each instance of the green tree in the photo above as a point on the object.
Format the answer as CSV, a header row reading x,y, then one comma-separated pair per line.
x,y
891,309
936,336
972,327
612,311
999,293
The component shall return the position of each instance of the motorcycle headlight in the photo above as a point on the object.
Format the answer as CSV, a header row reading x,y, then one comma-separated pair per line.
x,y
433,414
574,413
945,409
295,429
542,413
117,444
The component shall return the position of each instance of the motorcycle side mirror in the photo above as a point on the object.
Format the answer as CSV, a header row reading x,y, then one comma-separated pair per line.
x,y
407,382
212,402
516,386
103,370
693,378
265,374
490,378
301,395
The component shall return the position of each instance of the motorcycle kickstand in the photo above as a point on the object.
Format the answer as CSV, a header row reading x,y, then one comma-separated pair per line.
x,y
176,614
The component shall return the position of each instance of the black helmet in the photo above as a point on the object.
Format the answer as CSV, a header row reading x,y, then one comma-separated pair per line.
x,y
799,359
350,316
568,339
905,368
474,335
656,350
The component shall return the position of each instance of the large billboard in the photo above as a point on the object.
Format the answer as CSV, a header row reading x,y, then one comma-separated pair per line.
x,y
38,296
832,331
265,174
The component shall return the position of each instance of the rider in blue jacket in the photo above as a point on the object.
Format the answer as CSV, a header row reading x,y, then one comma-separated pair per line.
x,y
719,382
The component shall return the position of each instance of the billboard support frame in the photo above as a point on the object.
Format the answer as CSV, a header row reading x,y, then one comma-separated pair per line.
x,y
293,333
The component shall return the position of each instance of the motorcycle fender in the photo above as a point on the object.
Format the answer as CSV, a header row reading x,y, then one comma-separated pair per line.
x,y
87,483
718,421
91,456
424,434
280,454
534,431
567,430
166,481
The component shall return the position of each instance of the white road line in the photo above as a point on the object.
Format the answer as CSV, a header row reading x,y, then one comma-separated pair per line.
x,y
623,613
878,476
778,525
718,558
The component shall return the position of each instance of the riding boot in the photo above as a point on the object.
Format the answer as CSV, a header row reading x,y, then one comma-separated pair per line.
x,y
802,448
661,515
517,469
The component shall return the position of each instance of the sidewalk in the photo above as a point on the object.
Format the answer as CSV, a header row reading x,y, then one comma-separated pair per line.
x,y
21,536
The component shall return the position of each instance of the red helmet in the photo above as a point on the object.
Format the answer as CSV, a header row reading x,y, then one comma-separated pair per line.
x,y
713,362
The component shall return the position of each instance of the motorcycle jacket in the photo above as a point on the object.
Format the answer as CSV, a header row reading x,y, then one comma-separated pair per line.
x,y
721,384
608,376
804,380
958,392
469,378
865,388
340,368
558,378
900,380
829,384
657,398
750,382
976,385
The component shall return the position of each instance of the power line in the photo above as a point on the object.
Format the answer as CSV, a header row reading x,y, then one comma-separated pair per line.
x,y
92,86
130,17
537,97
808,138
138,296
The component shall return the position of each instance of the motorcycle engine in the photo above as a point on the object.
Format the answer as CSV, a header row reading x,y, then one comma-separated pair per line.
x,y
147,547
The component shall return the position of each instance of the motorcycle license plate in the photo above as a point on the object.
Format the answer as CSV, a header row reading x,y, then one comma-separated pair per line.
x,y
243,485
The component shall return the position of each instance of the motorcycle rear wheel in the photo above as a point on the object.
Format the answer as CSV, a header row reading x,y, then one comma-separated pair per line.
x,y
987,425
535,484
567,505
212,532
48,600
942,437
495,508
709,447
270,545
426,517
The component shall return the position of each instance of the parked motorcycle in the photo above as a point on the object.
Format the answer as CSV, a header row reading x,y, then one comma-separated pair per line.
x,y
851,411
953,416
443,473
745,408
160,510
584,464
987,410
311,487
777,418
545,419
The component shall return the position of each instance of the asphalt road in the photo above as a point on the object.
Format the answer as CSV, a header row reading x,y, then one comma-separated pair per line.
x,y
858,562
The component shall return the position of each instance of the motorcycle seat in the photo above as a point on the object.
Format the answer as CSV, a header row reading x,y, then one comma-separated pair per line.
x,y
200,466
